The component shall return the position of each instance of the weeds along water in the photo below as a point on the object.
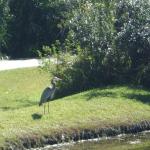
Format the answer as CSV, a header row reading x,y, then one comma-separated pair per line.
x,y
140,141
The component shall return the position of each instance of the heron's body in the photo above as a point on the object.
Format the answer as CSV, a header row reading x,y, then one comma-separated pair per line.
x,y
48,93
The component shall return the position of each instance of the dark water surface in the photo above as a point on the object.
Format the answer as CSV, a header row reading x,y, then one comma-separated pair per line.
x,y
139,141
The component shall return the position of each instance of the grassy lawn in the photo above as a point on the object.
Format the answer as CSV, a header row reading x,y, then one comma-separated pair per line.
x,y
21,116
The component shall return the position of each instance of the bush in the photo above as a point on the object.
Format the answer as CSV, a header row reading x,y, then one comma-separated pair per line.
x,y
133,35
111,43
91,38
144,76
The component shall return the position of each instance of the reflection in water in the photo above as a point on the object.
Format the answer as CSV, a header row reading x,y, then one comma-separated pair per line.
x,y
140,141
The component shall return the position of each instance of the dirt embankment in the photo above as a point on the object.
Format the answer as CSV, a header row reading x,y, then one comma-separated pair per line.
x,y
74,135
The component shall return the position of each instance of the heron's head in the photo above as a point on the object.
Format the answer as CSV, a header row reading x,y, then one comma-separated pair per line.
x,y
56,79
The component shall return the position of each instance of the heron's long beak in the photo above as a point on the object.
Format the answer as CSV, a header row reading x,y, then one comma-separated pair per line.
x,y
58,79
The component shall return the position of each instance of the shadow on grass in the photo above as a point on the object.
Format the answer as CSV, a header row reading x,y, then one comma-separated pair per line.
x,y
144,98
139,97
36,116
19,103
95,94
6,108
26,102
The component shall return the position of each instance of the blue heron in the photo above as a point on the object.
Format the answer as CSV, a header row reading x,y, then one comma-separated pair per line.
x,y
48,93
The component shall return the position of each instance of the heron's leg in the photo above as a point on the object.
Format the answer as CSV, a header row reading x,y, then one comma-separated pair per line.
x,y
44,108
48,106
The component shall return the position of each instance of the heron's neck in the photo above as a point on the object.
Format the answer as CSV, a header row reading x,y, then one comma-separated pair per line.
x,y
53,84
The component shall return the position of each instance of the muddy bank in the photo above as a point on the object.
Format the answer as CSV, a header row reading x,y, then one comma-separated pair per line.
x,y
74,135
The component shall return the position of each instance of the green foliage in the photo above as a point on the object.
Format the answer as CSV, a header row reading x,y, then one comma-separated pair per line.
x,y
35,23
111,43
144,75
133,35
94,30
60,65
4,15
109,39
90,37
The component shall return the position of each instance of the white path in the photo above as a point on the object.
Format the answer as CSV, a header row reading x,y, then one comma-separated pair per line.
x,y
14,64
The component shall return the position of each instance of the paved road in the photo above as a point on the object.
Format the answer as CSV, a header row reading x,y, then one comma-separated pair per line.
x,y
14,64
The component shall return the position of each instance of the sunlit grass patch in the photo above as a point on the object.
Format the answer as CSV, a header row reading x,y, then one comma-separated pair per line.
x,y
21,88
21,116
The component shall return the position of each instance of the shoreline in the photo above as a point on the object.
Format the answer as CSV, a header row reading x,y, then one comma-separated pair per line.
x,y
120,136
75,135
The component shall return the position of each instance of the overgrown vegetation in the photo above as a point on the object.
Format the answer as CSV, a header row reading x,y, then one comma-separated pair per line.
x,y
109,40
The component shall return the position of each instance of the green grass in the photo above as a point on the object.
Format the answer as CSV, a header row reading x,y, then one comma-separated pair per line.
x,y
21,88
21,116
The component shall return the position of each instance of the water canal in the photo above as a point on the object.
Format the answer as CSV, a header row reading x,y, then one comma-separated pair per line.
x,y
140,141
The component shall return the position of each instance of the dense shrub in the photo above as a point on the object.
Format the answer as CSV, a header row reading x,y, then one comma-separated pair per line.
x,y
133,35
90,38
111,43
145,76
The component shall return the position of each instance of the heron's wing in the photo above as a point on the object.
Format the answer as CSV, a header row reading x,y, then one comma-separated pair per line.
x,y
45,95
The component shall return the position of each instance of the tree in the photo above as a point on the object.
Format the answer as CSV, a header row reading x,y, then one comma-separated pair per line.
x,y
4,15
34,23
